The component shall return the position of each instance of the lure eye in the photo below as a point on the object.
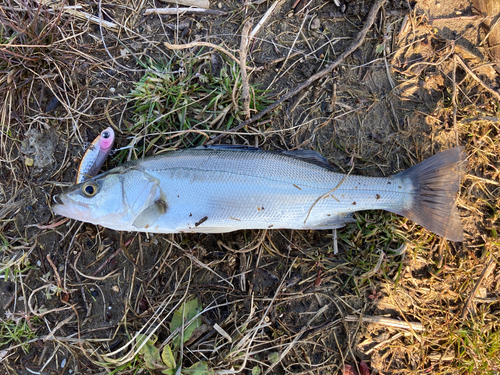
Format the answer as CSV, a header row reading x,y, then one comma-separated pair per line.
x,y
90,188
105,134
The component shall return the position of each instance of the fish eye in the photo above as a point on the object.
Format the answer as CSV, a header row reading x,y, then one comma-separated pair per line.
x,y
105,134
90,188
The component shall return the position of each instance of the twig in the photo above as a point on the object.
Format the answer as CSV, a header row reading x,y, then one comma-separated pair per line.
x,y
86,16
265,17
14,296
92,277
386,322
328,193
59,284
475,77
53,225
245,88
355,44
385,342
88,306
203,265
175,11
486,272
279,74
82,15
297,338
454,99
202,44
108,260
58,326
250,247
190,3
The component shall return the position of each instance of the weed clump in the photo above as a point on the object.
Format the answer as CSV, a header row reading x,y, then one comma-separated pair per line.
x,y
187,98
16,332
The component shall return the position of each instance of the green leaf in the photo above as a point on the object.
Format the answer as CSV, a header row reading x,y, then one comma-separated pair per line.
x,y
170,371
256,370
185,313
199,368
380,48
168,357
149,352
274,357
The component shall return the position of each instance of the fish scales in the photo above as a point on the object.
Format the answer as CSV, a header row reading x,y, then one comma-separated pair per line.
x,y
214,190
260,189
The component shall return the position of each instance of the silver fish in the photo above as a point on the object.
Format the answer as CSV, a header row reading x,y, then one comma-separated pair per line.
x,y
223,189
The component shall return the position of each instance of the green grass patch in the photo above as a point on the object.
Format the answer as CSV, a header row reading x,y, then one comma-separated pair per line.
x,y
178,100
17,333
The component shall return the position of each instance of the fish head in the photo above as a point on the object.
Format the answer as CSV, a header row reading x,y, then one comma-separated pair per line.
x,y
113,199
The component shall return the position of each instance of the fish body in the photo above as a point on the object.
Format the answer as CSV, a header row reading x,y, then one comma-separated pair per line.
x,y
96,155
216,190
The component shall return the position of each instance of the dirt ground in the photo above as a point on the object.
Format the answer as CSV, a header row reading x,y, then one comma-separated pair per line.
x,y
380,296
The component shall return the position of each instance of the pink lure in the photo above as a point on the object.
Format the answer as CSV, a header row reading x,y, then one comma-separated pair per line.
x,y
96,155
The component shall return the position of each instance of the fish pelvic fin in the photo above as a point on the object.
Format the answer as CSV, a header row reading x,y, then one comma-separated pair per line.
x,y
436,182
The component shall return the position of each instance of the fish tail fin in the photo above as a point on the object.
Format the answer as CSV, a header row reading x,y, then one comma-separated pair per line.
x,y
436,182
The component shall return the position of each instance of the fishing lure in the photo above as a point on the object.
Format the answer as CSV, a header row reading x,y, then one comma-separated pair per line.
x,y
96,155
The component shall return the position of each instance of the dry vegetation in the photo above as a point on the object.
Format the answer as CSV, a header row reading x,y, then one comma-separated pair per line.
x,y
381,295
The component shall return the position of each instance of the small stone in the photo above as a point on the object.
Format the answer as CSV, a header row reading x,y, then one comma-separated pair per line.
x,y
115,288
112,89
316,24
29,162
219,5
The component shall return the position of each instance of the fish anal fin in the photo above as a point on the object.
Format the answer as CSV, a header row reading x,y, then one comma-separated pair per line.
x,y
331,222
150,214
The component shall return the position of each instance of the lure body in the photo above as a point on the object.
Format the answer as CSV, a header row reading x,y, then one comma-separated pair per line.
x,y
96,155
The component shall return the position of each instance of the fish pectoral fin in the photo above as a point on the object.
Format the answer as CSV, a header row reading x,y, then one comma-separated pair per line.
x,y
333,222
150,214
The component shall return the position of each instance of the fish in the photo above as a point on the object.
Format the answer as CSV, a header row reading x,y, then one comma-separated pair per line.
x,y
219,189
96,155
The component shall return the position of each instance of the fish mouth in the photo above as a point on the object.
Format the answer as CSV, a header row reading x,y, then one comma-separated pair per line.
x,y
65,206
57,199
59,208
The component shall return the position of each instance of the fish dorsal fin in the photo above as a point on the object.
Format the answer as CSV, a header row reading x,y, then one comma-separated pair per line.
x,y
309,156
150,214
228,147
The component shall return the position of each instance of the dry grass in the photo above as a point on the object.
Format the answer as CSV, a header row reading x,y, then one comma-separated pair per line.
x,y
84,298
